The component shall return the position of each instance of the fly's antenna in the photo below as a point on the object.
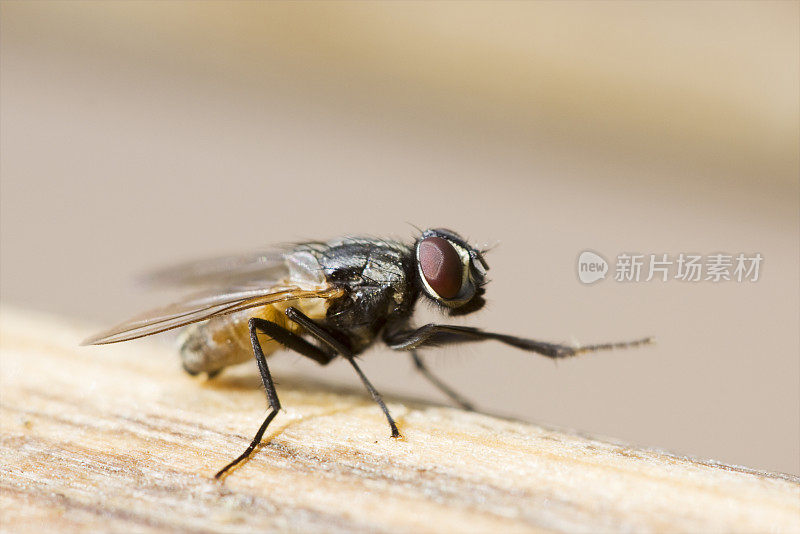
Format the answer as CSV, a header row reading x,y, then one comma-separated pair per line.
x,y
487,246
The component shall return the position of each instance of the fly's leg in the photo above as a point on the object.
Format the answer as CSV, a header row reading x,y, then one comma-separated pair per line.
x,y
290,341
441,386
330,340
442,334
375,396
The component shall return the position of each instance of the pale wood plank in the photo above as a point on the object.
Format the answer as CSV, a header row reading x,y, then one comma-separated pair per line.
x,y
118,439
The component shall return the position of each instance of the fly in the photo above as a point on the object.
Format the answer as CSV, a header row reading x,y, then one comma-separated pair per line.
x,y
325,300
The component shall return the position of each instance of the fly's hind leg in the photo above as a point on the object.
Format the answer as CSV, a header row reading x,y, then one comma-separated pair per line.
x,y
288,340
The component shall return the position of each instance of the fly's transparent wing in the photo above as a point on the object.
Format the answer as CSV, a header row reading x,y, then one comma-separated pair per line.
x,y
263,266
202,306
232,284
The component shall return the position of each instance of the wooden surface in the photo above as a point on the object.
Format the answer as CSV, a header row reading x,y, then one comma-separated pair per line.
x,y
117,438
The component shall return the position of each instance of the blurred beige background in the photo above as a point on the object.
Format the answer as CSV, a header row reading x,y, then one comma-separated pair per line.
x,y
136,134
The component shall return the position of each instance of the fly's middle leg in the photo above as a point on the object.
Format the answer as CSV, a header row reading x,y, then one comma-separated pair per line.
x,y
328,339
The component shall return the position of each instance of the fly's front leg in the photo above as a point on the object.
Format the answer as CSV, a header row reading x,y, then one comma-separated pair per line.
x,y
441,334
327,338
290,341
441,386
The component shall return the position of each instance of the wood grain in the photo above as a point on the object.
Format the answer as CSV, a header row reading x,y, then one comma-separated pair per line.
x,y
118,439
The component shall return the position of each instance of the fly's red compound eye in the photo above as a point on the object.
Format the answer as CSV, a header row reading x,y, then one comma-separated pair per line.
x,y
441,266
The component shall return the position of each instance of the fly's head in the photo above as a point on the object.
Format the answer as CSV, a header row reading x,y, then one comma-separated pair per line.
x,y
451,272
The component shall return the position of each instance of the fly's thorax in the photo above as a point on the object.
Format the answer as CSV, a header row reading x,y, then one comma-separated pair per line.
x,y
377,277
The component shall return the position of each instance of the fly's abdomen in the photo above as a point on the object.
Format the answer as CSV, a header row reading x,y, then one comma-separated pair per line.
x,y
217,343
211,346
